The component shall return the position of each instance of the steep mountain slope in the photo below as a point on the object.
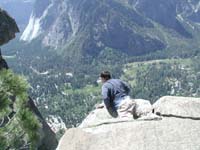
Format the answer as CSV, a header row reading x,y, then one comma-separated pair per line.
x,y
90,26
168,12
135,27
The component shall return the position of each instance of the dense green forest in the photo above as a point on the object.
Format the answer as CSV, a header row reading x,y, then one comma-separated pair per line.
x,y
71,105
67,88
152,79
63,87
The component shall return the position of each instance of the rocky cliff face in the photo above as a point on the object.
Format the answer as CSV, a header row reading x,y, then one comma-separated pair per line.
x,y
170,13
19,9
8,28
135,27
178,129
90,25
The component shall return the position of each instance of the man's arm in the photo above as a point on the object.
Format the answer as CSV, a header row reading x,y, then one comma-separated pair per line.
x,y
106,96
106,93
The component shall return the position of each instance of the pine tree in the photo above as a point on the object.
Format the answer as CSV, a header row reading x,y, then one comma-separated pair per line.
x,y
18,125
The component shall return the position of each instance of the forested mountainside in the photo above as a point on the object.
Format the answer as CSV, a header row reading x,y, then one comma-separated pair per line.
x,y
21,124
152,79
133,27
68,43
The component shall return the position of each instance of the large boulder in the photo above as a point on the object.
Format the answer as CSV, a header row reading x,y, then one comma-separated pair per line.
x,y
178,107
179,131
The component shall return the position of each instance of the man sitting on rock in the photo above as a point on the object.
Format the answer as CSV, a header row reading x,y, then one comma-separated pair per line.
x,y
115,96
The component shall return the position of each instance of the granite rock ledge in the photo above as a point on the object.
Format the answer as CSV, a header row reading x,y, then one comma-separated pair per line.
x,y
179,129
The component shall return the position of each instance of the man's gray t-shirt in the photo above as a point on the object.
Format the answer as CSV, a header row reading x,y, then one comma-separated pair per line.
x,y
113,91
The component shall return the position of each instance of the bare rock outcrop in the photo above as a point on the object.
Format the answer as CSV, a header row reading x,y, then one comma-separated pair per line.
x,y
8,27
179,129
180,107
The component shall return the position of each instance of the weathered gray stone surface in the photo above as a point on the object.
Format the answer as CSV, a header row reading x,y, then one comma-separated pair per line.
x,y
170,133
101,116
178,106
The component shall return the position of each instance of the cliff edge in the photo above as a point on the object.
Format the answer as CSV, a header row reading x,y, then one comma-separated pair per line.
x,y
177,129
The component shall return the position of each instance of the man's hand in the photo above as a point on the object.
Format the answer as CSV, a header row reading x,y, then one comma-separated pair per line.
x,y
99,106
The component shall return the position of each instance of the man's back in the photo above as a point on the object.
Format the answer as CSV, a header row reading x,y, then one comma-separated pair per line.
x,y
114,90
